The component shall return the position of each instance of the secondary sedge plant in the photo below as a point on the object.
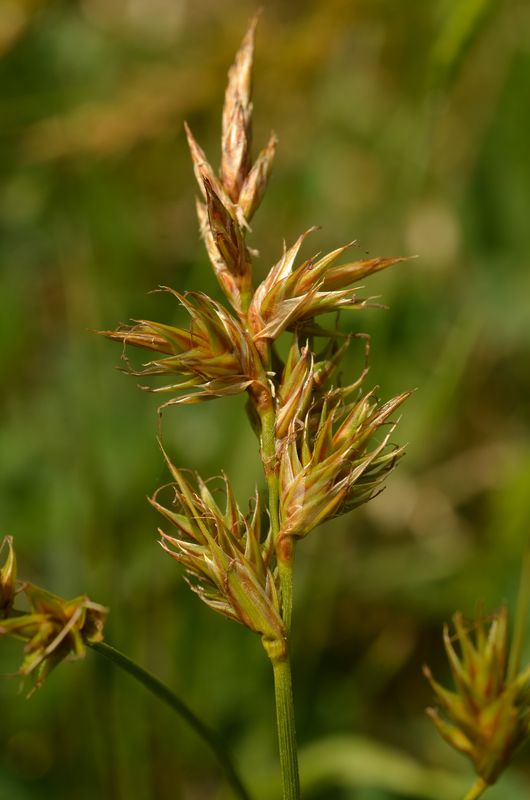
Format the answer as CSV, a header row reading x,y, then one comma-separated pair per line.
x,y
325,449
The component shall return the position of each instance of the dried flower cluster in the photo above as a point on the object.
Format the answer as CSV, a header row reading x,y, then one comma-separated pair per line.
x,y
488,716
52,628
320,442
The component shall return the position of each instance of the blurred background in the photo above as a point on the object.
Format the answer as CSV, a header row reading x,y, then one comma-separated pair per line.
x,y
403,125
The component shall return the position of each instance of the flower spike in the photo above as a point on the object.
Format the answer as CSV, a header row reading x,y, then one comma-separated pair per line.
x,y
333,470
237,118
231,199
488,716
290,296
54,629
215,357
223,553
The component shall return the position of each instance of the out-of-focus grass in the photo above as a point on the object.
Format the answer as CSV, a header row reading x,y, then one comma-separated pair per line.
x,y
404,125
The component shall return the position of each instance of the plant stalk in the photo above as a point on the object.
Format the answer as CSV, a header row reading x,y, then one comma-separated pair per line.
x,y
521,618
286,729
281,666
285,547
160,690
477,790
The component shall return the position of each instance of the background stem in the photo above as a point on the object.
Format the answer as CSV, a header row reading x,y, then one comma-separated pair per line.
x,y
521,618
160,690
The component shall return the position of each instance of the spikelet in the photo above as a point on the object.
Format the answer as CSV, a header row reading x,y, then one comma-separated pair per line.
x,y
223,553
215,356
230,200
338,467
54,629
292,295
488,716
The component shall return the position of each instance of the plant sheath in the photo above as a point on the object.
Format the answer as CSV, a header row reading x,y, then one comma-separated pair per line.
x,y
521,618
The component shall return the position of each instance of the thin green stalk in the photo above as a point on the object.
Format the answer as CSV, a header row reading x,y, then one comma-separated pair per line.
x,y
477,790
521,618
286,729
160,690
281,666
285,548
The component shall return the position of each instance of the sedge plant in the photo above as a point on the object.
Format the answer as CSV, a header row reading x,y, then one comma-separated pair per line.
x,y
324,443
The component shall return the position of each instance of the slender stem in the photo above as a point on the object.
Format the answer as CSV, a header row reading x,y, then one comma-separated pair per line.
x,y
286,729
477,790
285,547
281,666
160,690
521,618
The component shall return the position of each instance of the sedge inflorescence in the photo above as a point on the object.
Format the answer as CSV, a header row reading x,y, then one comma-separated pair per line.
x,y
325,446
52,628
487,716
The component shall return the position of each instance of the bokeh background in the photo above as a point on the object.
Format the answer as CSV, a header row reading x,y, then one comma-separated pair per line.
x,y
405,125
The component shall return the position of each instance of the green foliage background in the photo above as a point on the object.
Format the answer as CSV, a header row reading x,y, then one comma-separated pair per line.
x,y
403,124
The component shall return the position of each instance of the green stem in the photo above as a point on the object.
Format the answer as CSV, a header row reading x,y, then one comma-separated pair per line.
x,y
521,618
285,547
286,729
477,790
282,666
160,690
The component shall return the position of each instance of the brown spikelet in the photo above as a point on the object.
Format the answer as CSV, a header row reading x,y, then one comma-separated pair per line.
x,y
227,281
202,168
222,551
53,629
336,465
293,294
255,183
237,118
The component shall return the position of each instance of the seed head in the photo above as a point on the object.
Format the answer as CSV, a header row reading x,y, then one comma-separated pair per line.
x,y
296,387
223,553
215,356
231,199
256,181
334,469
488,716
291,295
54,629
237,118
